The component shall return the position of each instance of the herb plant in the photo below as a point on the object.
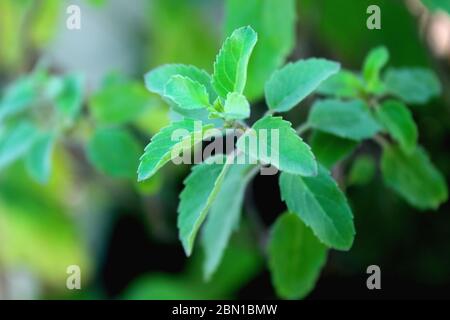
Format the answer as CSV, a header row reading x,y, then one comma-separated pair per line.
x,y
357,107
346,109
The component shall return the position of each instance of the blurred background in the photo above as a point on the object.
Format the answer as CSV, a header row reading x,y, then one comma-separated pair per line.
x,y
123,234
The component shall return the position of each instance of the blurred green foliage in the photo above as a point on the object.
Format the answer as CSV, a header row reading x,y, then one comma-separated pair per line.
x,y
241,262
56,130
35,231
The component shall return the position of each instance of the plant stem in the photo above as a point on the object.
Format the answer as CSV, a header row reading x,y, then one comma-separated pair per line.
x,y
303,128
240,124
257,224
268,113
251,174
381,140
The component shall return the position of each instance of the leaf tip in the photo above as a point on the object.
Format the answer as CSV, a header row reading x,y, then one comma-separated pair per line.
x,y
187,247
142,175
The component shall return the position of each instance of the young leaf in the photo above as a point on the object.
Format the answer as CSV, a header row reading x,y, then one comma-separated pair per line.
x,y
158,151
398,121
321,205
288,86
187,93
157,79
69,100
203,115
15,141
413,85
274,21
114,152
38,159
273,141
374,63
200,190
21,94
330,149
296,257
345,119
236,106
230,67
362,171
119,103
343,84
414,177
223,217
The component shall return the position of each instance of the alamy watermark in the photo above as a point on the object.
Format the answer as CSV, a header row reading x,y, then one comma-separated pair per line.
x,y
73,281
73,21
374,280
374,20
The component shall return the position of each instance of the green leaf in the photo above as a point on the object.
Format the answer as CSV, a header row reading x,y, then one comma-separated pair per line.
x,y
44,23
39,158
274,21
236,106
413,85
224,217
343,84
375,61
288,86
69,100
119,103
200,190
17,98
296,257
273,141
204,115
230,67
157,79
330,149
15,141
20,94
414,177
435,5
362,171
114,152
399,122
159,151
187,93
321,205
345,119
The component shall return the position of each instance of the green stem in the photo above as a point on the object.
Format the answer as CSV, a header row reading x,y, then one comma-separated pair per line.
x,y
268,113
240,124
253,216
252,173
381,140
303,128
